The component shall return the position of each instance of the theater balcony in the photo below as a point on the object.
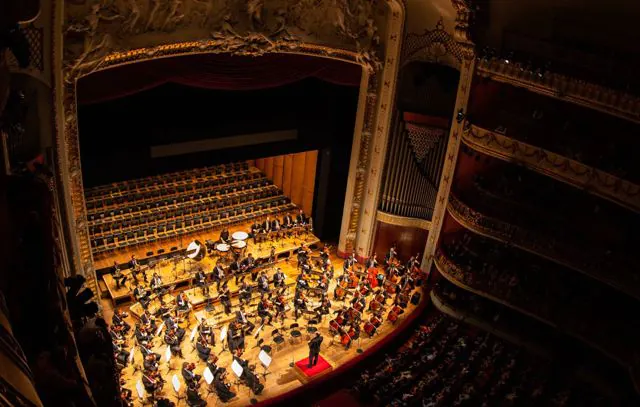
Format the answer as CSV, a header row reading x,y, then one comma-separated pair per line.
x,y
580,307
573,144
543,216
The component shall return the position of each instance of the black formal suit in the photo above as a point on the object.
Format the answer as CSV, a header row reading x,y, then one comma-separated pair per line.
x,y
287,221
266,226
275,224
314,350
203,352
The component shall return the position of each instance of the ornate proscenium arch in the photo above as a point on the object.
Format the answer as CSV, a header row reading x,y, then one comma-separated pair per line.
x,y
103,34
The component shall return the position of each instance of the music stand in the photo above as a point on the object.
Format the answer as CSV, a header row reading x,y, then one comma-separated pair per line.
x,y
223,336
237,370
208,378
359,350
160,328
175,382
194,331
265,360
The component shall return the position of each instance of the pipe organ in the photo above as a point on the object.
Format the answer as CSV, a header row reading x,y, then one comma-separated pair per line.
x,y
414,165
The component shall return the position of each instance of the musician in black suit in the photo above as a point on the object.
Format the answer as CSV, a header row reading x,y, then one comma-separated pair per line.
x,y
256,229
141,335
244,293
135,269
287,221
172,340
247,325
193,398
248,377
147,320
225,298
223,389
224,236
141,295
263,283
266,225
218,274
201,281
118,276
275,224
118,320
204,351
301,220
314,349
279,278
372,262
188,375
247,265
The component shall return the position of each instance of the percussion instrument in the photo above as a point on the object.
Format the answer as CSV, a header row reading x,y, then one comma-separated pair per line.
x,y
223,247
240,235
238,244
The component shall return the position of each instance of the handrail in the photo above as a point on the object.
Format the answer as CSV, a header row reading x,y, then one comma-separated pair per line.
x,y
563,169
582,260
453,273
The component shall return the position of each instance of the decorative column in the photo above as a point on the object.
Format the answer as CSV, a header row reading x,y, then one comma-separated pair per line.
x,y
380,136
453,146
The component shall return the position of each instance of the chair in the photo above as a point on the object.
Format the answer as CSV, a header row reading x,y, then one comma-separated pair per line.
x,y
149,254
277,338
295,333
310,328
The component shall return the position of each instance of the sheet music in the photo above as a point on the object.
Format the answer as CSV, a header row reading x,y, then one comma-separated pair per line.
x,y
258,331
264,358
223,333
237,369
176,383
208,376
167,354
131,353
160,328
194,331
140,389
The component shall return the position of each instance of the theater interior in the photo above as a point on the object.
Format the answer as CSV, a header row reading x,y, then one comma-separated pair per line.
x,y
319,202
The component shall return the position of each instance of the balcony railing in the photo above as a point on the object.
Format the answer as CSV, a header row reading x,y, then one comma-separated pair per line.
x,y
588,261
563,87
554,165
620,348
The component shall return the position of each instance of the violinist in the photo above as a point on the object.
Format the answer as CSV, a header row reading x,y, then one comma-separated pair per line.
x,y
126,397
323,309
247,265
118,320
172,340
263,283
141,334
201,281
218,274
223,389
118,276
235,336
188,373
264,310
301,283
141,295
120,354
244,294
203,349
212,364
248,377
224,236
279,278
225,298
193,398
205,331
152,381
299,303
150,363
241,318
171,324
236,269
280,304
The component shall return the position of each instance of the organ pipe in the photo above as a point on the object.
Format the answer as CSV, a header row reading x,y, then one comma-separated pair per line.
x,y
413,169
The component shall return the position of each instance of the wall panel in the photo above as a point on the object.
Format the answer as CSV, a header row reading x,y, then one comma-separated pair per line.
x,y
410,240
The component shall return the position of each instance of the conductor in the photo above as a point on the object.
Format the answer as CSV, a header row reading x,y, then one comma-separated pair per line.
x,y
314,349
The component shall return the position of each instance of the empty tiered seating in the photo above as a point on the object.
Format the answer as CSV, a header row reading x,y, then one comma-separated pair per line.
x,y
144,211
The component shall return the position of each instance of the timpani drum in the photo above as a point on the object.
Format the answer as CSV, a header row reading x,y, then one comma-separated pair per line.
x,y
240,236
223,247
238,244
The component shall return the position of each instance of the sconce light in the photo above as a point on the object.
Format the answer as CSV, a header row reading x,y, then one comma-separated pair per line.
x,y
460,116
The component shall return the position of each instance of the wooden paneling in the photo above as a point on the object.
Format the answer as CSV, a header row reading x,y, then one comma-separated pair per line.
x,y
410,240
268,167
297,178
311,159
287,174
260,164
278,171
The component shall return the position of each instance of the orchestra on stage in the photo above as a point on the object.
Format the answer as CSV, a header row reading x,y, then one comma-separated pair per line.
x,y
363,297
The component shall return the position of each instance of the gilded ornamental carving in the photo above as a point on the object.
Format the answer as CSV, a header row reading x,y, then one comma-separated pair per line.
x,y
573,90
554,165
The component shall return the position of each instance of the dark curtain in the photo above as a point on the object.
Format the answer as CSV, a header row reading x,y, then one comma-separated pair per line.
x,y
214,71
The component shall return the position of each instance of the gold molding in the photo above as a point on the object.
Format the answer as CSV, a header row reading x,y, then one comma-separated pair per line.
x,y
403,221
590,95
449,270
103,48
555,166
579,259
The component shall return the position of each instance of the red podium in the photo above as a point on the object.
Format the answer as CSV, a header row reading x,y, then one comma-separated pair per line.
x,y
310,373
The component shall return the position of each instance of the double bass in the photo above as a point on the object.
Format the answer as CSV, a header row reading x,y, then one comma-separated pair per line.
x,y
394,313
341,290
372,325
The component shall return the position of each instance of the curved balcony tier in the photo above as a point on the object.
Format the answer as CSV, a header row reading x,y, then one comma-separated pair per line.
x,y
544,291
554,165
591,138
592,261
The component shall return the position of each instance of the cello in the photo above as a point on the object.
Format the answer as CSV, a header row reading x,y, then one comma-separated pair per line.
x,y
394,313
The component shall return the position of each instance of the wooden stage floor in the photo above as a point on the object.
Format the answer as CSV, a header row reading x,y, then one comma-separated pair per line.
x,y
281,378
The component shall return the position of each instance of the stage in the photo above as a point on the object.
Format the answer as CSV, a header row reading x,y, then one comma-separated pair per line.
x,y
285,374
311,373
